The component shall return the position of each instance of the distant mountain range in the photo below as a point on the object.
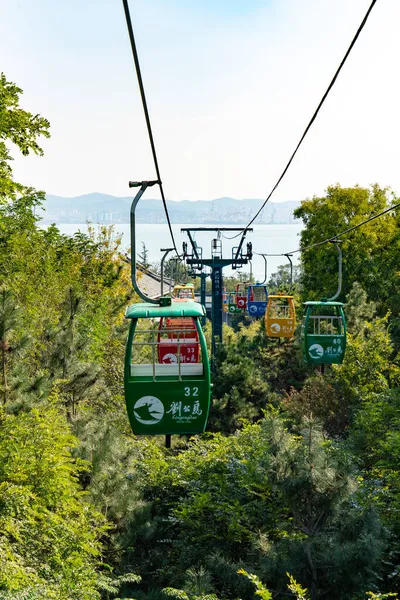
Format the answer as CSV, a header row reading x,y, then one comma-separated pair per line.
x,y
101,208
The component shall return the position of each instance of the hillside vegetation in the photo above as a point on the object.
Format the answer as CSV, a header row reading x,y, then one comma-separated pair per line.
x,y
293,491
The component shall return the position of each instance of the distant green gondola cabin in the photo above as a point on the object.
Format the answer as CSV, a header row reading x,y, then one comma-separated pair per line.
x,y
172,396
323,333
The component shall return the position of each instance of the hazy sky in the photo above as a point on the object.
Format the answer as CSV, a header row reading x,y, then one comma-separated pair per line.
x,y
231,85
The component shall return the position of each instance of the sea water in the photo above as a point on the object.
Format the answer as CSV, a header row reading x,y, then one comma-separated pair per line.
x,y
266,239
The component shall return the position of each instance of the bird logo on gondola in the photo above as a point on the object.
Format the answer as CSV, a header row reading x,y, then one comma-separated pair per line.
x,y
148,410
170,358
275,328
316,351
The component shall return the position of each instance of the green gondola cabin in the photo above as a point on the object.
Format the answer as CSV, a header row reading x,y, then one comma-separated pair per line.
x,y
323,333
166,397
229,303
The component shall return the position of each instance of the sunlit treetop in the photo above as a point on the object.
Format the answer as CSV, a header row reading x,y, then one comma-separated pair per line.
x,y
19,127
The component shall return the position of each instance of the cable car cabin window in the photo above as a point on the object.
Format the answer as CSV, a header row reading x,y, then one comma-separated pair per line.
x,y
324,323
178,339
258,294
183,292
166,390
165,350
186,294
143,350
323,333
279,310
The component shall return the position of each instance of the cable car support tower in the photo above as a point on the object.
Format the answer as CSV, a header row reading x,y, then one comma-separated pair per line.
x,y
216,263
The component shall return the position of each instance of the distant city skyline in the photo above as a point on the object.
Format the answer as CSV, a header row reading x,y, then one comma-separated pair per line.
x,y
104,208
231,85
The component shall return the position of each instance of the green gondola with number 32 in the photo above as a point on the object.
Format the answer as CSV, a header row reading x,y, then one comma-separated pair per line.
x,y
171,397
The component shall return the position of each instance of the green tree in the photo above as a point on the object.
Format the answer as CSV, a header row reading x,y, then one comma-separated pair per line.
x,y
368,366
49,536
358,309
20,128
176,271
375,440
9,314
17,386
240,391
143,256
328,527
321,399
276,501
367,251
76,379
280,280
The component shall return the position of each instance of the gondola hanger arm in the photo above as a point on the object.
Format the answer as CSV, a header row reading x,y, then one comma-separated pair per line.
x,y
340,268
289,257
143,185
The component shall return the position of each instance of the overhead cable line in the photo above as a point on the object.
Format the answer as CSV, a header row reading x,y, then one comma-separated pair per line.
x,y
146,114
330,86
233,237
337,236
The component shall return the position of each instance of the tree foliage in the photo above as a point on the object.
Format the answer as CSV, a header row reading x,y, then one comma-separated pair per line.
x,y
49,537
19,127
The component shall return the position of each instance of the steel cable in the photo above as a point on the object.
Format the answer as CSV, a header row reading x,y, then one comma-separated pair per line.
x,y
337,236
146,114
330,86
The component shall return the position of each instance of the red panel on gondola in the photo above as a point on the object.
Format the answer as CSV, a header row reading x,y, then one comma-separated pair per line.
x,y
241,296
176,330
241,302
